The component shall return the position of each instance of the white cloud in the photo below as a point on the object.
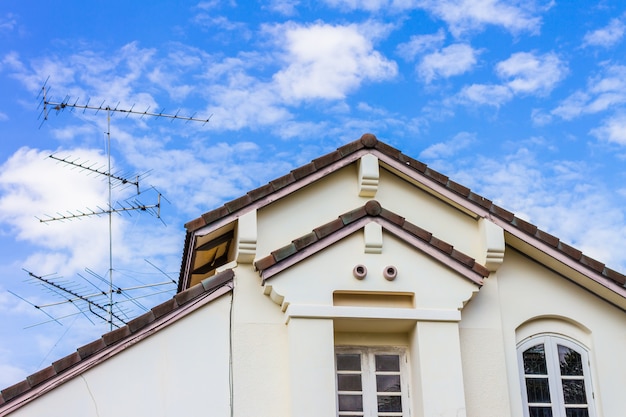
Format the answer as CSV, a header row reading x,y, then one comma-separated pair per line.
x,y
327,62
613,130
370,5
450,61
528,73
467,15
450,148
284,7
8,23
485,94
606,36
604,92
420,43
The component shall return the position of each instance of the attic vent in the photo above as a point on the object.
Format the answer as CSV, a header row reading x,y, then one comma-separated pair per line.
x,y
210,254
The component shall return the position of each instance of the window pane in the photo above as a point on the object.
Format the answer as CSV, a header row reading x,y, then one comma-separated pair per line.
x,y
389,403
538,390
388,383
576,412
535,361
540,411
349,382
574,391
387,363
348,362
570,361
350,402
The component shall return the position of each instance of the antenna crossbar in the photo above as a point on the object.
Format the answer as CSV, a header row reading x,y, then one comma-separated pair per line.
x,y
90,168
77,297
62,105
134,207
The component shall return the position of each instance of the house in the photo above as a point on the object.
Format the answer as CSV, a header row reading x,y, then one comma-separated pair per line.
x,y
361,284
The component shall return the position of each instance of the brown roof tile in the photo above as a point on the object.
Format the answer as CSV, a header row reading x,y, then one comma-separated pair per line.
x,y
303,171
282,182
304,241
261,192
615,276
238,203
189,294
524,226
458,188
570,251
284,252
502,213
41,376
164,308
328,228
116,335
91,348
14,390
66,362
140,322
440,178
325,160
592,263
417,231
392,217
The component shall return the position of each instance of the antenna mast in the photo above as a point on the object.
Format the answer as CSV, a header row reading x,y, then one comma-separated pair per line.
x,y
49,105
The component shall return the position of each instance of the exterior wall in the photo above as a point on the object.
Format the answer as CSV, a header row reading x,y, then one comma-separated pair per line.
x,y
181,370
523,299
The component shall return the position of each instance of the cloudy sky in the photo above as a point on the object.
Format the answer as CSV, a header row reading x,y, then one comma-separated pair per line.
x,y
523,101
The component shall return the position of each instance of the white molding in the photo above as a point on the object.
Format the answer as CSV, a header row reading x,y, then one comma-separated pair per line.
x,y
247,237
313,311
369,175
373,236
494,246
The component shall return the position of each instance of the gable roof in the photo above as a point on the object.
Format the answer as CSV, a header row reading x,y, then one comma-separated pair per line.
x,y
524,236
329,233
113,342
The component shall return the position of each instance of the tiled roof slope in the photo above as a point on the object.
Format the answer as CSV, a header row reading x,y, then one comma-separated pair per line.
x,y
373,209
368,142
136,329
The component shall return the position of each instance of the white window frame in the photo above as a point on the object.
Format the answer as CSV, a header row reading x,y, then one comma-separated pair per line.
x,y
557,402
368,373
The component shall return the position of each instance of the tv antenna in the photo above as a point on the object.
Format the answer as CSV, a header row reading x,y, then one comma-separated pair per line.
x,y
94,303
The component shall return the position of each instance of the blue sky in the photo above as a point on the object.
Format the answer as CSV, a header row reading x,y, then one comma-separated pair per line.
x,y
523,101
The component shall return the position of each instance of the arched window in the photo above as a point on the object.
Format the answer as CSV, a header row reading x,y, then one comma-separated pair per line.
x,y
555,378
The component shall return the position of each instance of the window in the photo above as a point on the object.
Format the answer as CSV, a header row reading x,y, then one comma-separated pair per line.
x,y
371,382
555,378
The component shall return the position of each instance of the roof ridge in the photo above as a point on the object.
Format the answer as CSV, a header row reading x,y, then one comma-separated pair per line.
x,y
370,209
108,340
370,141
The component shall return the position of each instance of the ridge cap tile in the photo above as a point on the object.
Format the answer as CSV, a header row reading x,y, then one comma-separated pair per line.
x,y
614,275
141,321
189,294
327,159
90,348
328,228
15,390
66,362
116,335
41,376
353,215
283,181
164,308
